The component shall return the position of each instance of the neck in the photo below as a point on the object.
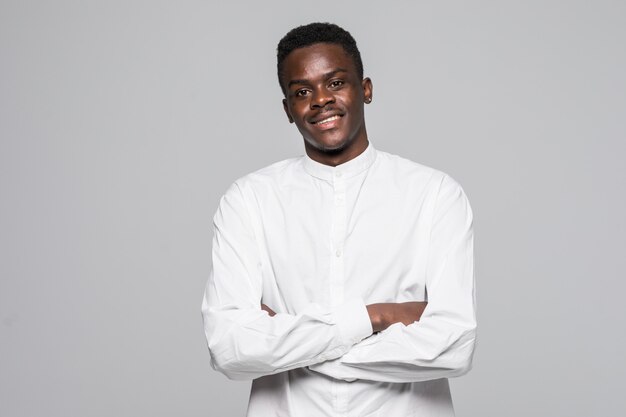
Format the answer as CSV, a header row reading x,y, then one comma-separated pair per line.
x,y
334,157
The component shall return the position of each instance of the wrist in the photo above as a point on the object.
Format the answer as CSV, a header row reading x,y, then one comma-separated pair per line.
x,y
376,317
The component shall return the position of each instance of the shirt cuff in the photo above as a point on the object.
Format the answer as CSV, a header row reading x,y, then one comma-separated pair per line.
x,y
353,321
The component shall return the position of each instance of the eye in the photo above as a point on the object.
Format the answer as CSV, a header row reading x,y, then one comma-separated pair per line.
x,y
336,83
301,93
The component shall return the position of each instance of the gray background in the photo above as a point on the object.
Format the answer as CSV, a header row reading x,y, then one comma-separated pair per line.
x,y
122,123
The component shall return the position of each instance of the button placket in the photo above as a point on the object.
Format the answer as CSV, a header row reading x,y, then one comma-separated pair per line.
x,y
337,239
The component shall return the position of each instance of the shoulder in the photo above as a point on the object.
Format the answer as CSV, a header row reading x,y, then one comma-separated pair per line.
x,y
240,196
409,177
404,170
264,179
446,197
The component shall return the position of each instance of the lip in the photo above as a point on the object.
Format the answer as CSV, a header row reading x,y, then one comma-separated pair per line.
x,y
328,122
321,121
320,117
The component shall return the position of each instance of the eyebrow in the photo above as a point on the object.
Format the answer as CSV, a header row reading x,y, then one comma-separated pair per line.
x,y
326,76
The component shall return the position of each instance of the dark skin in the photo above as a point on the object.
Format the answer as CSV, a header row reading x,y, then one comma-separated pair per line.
x,y
321,82
383,315
325,98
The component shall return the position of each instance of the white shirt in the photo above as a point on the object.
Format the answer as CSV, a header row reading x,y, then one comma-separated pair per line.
x,y
317,244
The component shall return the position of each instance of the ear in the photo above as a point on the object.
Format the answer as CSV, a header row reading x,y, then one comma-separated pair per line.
x,y
286,108
368,90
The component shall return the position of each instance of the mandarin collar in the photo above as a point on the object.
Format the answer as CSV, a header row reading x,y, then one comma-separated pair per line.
x,y
348,169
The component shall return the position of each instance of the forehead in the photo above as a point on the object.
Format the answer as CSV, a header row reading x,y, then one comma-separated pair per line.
x,y
313,61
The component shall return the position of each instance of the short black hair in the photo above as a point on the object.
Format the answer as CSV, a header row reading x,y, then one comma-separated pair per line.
x,y
313,33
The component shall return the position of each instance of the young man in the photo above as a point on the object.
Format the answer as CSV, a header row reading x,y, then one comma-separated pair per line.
x,y
342,281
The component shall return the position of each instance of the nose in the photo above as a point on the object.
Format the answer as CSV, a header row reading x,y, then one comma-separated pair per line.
x,y
321,98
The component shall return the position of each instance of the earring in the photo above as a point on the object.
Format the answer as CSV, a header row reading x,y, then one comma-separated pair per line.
x,y
368,100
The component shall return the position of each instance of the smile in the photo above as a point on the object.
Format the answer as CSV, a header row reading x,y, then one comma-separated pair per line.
x,y
327,120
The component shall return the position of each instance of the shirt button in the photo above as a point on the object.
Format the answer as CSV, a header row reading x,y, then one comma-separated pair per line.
x,y
338,174
338,253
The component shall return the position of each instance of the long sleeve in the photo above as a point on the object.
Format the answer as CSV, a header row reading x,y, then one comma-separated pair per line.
x,y
243,340
441,344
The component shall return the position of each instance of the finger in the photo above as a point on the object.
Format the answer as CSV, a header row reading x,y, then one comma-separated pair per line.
x,y
269,310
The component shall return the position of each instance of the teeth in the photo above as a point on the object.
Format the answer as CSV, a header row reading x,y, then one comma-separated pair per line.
x,y
328,120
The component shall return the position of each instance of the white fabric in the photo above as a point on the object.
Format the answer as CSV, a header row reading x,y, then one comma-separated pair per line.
x,y
317,244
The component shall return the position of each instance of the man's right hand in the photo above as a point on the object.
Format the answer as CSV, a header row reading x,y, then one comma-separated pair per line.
x,y
383,315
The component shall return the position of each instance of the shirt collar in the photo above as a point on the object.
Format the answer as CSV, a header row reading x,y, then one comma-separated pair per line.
x,y
346,170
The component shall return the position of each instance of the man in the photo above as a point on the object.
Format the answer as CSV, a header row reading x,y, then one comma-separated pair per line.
x,y
342,281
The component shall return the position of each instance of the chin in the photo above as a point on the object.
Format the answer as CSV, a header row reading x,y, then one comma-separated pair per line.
x,y
329,148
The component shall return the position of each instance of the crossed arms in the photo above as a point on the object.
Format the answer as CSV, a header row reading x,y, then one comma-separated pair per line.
x,y
393,342
383,315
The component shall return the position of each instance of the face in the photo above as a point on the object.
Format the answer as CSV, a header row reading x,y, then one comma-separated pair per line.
x,y
325,99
